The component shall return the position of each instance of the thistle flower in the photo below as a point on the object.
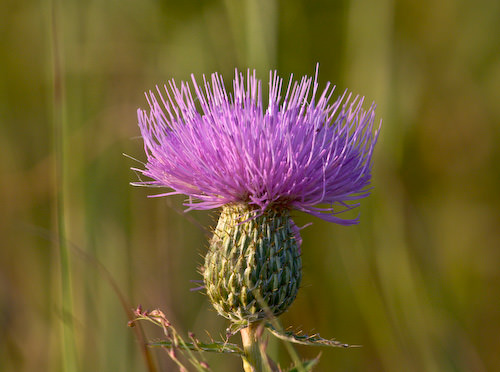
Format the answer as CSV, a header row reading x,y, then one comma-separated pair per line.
x,y
258,163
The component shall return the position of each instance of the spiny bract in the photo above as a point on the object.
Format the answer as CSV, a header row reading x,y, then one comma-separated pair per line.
x,y
253,266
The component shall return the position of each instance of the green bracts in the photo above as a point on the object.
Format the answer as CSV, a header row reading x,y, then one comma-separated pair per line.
x,y
253,267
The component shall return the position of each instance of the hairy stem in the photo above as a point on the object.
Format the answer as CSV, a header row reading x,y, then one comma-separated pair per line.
x,y
252,362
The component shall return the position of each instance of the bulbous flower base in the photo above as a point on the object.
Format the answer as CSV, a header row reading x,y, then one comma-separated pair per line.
x,y
253,267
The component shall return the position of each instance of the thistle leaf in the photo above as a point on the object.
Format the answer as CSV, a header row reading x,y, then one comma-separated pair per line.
x,y
304,339
214,347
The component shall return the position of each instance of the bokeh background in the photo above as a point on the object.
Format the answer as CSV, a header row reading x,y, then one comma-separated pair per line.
x,y
417,282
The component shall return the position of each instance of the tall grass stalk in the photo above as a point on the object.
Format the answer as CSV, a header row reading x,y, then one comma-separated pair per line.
x,y
59,118
261,33
256,42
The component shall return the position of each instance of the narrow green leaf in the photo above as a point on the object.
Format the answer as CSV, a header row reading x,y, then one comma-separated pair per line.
x,y
307,365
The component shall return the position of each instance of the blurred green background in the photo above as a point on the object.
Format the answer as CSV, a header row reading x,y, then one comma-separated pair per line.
x,y
417,282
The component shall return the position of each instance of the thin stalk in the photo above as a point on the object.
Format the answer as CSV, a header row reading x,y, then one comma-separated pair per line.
x,y
256,41
59,119
252,362
276,323
261,33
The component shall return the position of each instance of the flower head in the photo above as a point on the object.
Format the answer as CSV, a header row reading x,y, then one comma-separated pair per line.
x,y
300,152
227,150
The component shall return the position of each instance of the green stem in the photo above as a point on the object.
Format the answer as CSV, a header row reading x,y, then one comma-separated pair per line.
x,y
68,343
252,362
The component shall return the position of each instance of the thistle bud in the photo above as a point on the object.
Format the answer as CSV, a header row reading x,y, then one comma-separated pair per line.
x,y
253,266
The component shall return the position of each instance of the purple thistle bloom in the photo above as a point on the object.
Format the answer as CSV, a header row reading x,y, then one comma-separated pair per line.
x,y
219,148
